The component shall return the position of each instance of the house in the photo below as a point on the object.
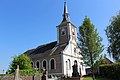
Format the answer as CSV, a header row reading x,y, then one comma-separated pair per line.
x,y
58,57
105,61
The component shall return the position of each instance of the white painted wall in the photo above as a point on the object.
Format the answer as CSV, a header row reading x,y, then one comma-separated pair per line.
x,y
68,53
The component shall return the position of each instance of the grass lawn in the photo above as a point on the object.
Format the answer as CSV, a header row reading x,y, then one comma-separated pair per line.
x,y
90,78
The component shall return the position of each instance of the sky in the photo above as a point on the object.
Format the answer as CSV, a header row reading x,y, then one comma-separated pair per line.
x,y
26,24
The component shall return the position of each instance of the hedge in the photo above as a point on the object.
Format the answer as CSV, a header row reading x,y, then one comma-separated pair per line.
x,y
24,72
111,71
29,72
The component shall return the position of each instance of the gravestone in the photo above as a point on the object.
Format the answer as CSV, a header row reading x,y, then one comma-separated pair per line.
x,y
44,76
75,74
17,77
35,77
75,70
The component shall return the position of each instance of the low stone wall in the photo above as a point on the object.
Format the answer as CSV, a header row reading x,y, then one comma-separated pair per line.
x,y
7,78
22,78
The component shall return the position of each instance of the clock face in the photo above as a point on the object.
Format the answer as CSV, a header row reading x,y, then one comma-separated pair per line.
x,y
63,31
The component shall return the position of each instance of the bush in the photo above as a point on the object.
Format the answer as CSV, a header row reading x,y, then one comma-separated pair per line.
x,y
27,72
110,71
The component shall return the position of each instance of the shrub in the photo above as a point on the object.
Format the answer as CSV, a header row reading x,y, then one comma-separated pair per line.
x,y
27,72
110,70
22,60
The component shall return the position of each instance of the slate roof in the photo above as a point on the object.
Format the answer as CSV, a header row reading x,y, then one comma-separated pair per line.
x,y
46,50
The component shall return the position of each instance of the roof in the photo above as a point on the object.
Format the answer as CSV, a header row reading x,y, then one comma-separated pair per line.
x,y
107,61
64,23
46,50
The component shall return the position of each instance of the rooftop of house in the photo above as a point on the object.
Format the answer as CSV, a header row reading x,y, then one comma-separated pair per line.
x,y
46,50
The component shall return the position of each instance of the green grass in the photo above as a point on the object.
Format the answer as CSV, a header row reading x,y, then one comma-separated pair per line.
x,y
98,78
87,78
6,74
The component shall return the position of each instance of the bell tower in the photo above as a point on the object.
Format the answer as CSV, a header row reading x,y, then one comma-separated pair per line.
x,y
66,31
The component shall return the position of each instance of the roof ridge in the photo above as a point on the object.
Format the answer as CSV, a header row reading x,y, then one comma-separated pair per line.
x,y
46,44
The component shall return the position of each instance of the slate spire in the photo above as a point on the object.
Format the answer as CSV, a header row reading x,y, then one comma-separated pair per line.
x,y
65,14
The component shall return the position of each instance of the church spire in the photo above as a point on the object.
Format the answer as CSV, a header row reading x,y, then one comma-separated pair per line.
x,y
65,14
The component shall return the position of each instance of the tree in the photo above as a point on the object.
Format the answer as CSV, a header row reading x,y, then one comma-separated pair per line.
x,y
100,61
113,35
22,60
90,43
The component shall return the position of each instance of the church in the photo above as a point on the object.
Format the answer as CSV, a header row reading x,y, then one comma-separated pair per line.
x,y
59,56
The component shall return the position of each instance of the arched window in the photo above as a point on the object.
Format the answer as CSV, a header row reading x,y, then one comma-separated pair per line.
x,y
69,64
73,32
52,64
66,67
37,65
75,50
44,64
82,65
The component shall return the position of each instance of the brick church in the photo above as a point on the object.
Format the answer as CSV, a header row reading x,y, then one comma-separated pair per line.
x,y
58,57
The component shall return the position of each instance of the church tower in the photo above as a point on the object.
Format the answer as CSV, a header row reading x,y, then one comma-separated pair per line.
x,y
66,31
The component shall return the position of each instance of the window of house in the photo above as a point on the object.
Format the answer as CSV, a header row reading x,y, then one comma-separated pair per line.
x,y
73,33
37,65
74,50
69,64
82,65
52,64
45,64
63,32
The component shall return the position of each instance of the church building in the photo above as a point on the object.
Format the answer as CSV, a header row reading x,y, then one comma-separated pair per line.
x,y
59,56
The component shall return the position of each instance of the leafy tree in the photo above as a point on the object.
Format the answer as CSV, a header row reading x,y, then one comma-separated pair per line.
x,y
100,61
90,43
22,60
113,35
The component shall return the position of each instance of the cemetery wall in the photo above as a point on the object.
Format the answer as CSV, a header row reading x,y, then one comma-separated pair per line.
x,y
22,78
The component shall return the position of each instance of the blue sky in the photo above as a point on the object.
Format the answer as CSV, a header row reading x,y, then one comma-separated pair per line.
x,y
26,24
